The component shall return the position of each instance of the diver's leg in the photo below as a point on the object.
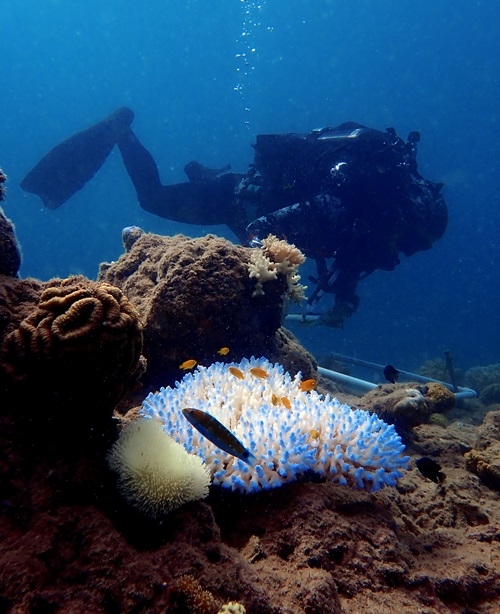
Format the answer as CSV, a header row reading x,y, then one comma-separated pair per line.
x,y
141,168
201,202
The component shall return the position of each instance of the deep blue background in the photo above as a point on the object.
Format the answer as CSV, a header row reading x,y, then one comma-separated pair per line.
x,y
431,66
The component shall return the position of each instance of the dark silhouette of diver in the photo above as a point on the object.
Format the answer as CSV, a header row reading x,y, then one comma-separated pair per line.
x,y
351,194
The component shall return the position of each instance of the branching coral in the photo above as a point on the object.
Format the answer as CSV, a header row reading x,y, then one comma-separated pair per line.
x,y
292,433
277,256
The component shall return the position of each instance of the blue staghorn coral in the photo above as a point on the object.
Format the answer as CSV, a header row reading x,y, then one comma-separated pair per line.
x,y
292,433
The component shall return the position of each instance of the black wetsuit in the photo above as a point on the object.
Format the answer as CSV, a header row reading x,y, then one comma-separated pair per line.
x,y
351,194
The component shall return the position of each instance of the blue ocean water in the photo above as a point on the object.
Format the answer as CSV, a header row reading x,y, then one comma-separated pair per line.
x,y
204,78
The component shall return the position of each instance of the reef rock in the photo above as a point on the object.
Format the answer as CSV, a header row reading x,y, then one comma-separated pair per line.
x,y
478,378
10,255
196,296
407,405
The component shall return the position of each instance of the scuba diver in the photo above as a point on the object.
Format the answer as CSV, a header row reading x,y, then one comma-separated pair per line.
x,y
349,197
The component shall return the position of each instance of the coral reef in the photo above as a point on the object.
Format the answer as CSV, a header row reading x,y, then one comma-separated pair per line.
x,y
316,548
293,434
479,378
484,458
195,296
439,368
70,544
68,343
490,394
439,419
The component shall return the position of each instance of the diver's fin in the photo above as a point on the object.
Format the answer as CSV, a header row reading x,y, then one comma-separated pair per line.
x,y
67,168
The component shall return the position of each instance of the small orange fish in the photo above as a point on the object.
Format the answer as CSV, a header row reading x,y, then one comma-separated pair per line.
x,y
223,351
314,434
258,372
236,372
274,400
187,364
286,402
308,385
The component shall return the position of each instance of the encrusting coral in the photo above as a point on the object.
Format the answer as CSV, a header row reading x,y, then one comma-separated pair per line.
x,y
293,434
195,296
483,467
188,596
407,405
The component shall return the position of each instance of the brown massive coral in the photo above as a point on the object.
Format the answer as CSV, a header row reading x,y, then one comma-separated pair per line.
x,y
73,345
196,296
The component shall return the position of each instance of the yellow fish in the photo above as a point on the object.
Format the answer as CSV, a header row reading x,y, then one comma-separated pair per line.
x,y
236,372
258,372
187,364
308,385
314,434
274,399
223,351
286,402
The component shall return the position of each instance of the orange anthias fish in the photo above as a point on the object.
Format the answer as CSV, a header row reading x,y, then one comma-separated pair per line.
x,y
308,385
218,434
286,402
258,372
236,372
187,364
223,351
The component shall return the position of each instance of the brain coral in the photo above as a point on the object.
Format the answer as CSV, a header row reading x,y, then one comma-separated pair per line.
x,y
79,345
196,296
292,433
